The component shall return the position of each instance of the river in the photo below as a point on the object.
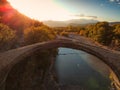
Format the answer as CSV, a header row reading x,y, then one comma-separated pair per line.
x,y
78,68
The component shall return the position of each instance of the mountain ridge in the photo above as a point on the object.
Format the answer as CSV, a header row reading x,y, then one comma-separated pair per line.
x,y
69,22
18,21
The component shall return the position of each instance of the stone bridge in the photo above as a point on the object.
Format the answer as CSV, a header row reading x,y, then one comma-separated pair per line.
x,y
9,58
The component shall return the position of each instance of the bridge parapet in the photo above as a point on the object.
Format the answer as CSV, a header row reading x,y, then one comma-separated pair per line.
x,y
10,58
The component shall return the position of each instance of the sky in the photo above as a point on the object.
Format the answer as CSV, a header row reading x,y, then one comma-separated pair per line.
x,y
60,10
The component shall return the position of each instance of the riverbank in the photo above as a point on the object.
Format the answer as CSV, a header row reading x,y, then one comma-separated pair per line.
x,y
87,41
91,42
12,57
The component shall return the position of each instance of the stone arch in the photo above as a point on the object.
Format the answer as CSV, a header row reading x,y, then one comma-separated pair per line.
x,y
19,54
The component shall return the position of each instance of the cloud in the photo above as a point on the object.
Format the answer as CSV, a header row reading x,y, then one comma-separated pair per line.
x,y
95,17
118,0
85,16
111,0
115,1
101,4
79,15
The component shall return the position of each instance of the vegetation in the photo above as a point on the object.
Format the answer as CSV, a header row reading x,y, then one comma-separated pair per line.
x,y
7,38
11,38
38,34
104,33
116,38
33,73
101,32
66,34
17,30
29,31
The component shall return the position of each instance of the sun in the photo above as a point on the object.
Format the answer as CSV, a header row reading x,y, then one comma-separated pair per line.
x,y
41,9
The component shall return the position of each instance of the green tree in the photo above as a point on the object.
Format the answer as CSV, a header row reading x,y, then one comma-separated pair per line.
x,y
38,34
117,32
104,33
116,37
7,38
100,32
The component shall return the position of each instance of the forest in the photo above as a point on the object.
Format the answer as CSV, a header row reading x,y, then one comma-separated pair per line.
x,y
102,32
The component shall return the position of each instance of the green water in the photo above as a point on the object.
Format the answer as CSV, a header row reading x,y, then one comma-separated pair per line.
x,y
75,67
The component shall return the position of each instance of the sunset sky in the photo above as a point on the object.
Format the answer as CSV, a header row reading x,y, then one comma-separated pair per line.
x,y
60,10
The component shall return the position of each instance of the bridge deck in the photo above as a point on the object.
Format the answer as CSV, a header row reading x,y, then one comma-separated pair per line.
x,y
10,58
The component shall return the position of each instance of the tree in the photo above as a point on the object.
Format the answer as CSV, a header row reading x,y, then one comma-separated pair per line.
x,y
38,34
100,32
105,33
116,37
7,38
117,32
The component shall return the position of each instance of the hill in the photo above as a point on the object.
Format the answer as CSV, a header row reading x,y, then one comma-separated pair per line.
x,y
15,20
113,23
73,22
17,30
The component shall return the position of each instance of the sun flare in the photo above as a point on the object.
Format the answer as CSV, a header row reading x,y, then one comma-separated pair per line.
x,y
44,10
61,10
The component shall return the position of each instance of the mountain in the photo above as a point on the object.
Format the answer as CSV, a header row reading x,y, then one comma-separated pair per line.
x,y
51,23
69,22
113,23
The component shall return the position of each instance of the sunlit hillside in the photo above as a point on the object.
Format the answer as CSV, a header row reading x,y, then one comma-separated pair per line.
x,y
13,18
17,27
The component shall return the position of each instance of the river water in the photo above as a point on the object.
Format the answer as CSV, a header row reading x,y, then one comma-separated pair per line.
x,y
78,68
